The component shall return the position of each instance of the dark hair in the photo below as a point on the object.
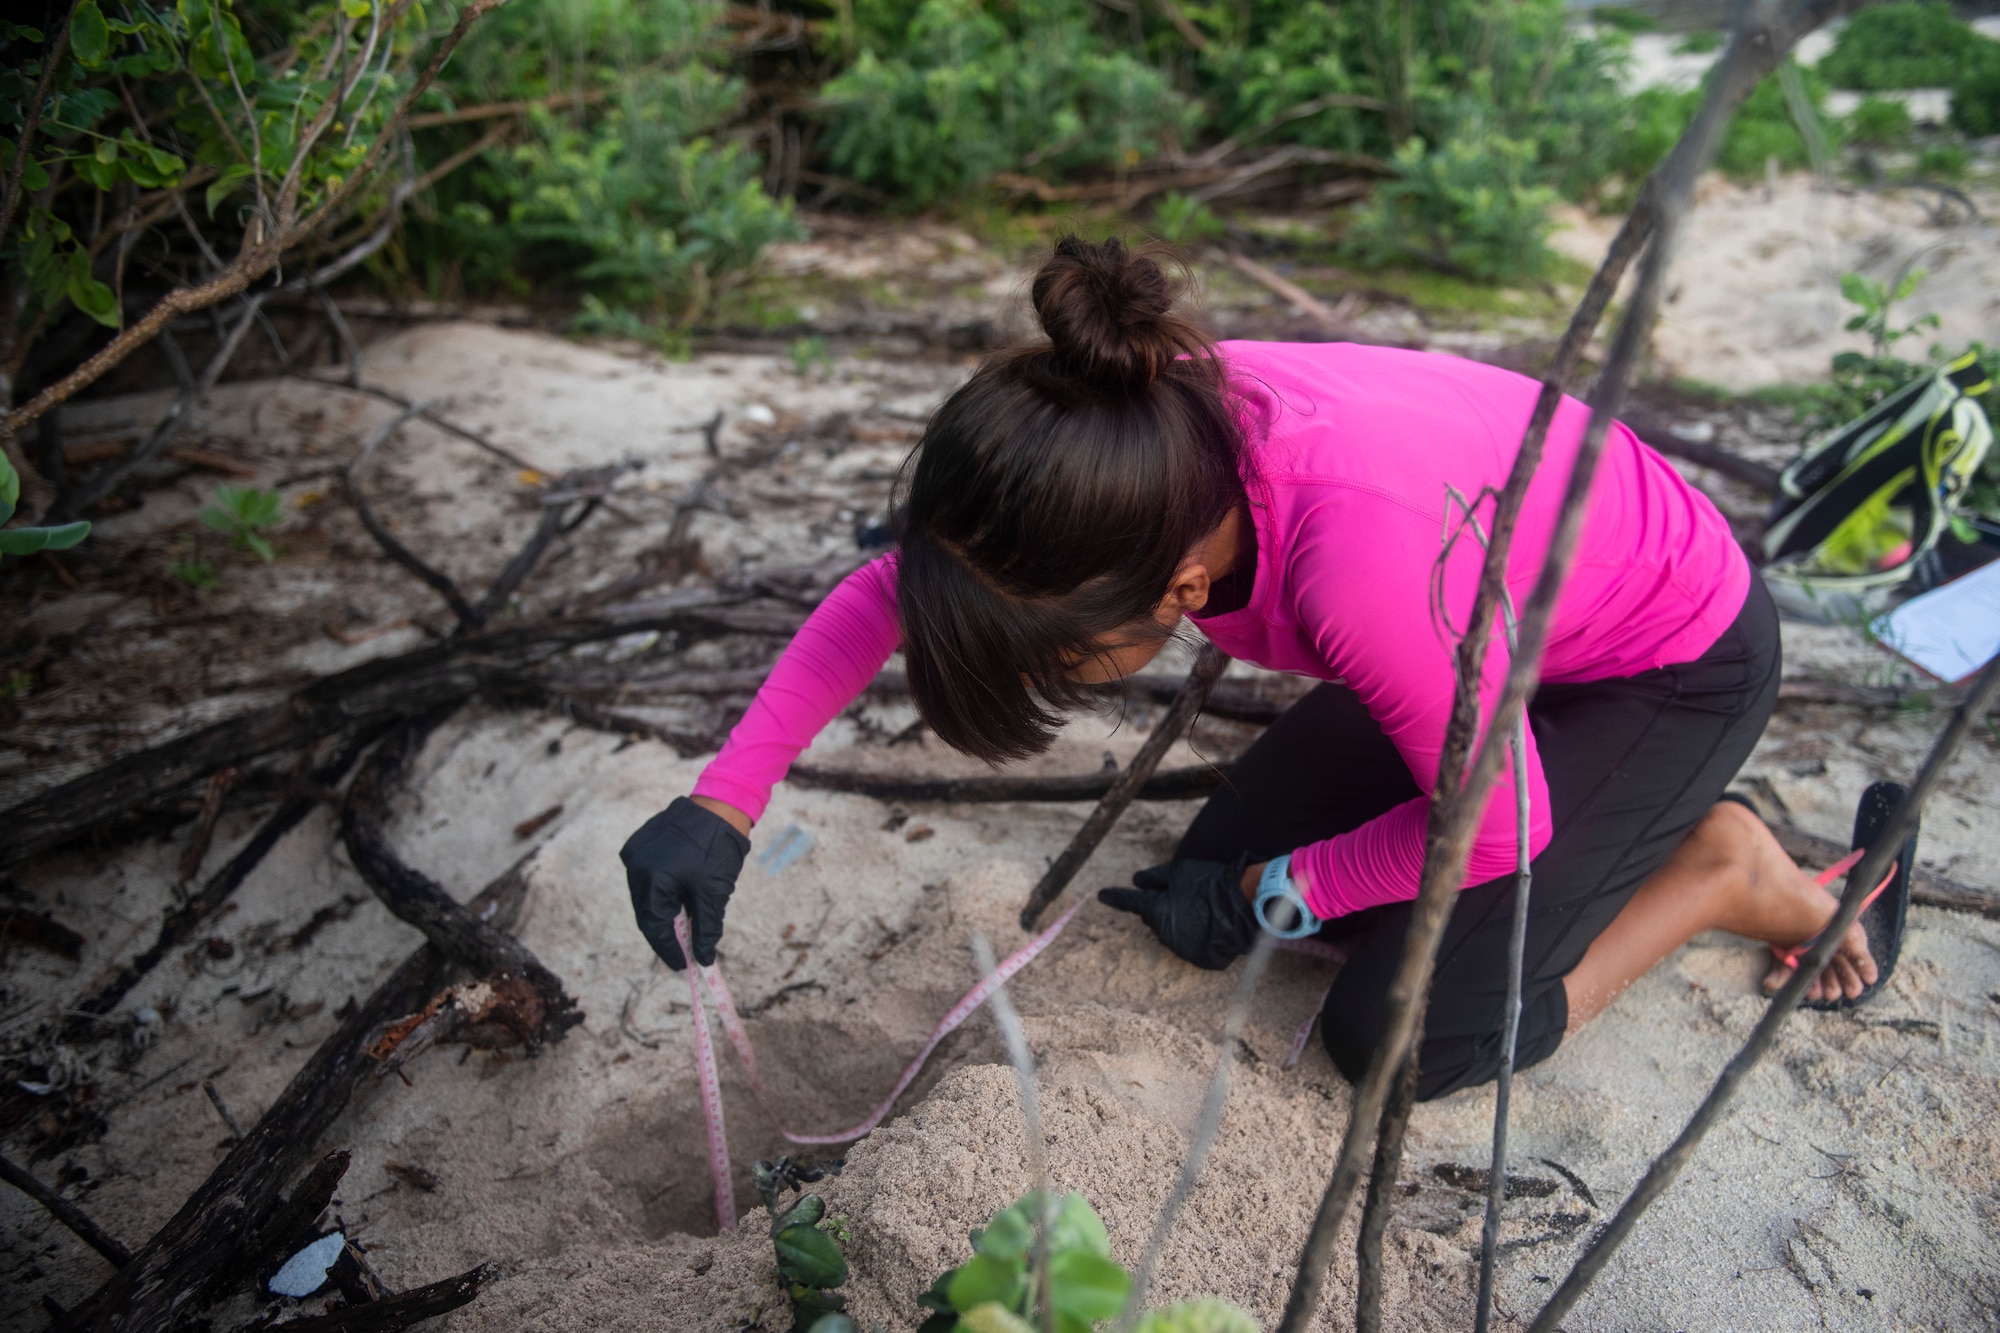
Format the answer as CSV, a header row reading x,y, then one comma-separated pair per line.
x,y
1053,496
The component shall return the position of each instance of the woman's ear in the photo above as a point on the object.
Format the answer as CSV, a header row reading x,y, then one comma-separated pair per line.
x,y
1187,594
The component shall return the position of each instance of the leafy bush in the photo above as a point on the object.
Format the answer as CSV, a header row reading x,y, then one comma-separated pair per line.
x,y
244,514
996,1290
1468,207
966,92
1975,93
1763,128
1899,46
620,187
1943,161
1879,120
1177,220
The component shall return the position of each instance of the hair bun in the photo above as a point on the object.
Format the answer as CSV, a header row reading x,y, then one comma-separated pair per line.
x,y
1109,314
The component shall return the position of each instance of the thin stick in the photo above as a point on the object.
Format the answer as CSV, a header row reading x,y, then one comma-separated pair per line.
x,y
65,1212
1208,668
1459,796
468,615
222,1108
1669,1164
1035,1147
1517,940
1206,1127
1381,1199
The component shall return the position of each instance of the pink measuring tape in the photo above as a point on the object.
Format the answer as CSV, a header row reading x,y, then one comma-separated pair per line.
x,y
706,987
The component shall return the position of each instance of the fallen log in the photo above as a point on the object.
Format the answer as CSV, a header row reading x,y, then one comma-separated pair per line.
x,y
237,1201
1173,784
392,1313
187,916
482,948
377,693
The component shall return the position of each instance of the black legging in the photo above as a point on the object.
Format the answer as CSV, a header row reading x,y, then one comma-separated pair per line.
x,y
1632,763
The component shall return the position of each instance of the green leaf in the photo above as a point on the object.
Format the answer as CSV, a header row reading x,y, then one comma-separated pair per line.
x,y
89,35
833,1321
993,1318
1078,1227
984,1278
1962,529
808,1256
1087,1287
94,298
1009,1234
259,545
805,1213
26,541
225,184
1855,288
1199,1316
219,519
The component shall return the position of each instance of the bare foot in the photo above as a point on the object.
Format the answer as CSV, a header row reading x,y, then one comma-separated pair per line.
x,y
1772,900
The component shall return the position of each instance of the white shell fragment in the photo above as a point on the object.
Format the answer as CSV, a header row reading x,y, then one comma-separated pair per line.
x,y
305,1272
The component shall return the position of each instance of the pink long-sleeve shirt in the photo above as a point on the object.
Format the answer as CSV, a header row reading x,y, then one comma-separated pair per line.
x,y
1352,452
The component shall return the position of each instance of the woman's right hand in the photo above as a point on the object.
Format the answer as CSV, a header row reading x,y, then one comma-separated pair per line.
x,y
686,858
1197,908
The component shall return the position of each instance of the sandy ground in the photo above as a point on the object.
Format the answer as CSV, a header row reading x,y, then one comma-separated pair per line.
x,y
1857,1184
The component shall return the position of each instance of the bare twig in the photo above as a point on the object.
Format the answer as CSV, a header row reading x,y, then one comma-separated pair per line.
x,y
214,1095
1034,1146
1927,887
1331,318
1381,1200
65,1212
196,850
1459,797
468,615
1669,1164
1208,668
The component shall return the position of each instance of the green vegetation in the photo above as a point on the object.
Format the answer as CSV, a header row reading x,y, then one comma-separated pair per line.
x,y
1899,46
25,540
1007,1287
243,514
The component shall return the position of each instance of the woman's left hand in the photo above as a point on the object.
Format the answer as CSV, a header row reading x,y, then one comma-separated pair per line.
x,y
1197,908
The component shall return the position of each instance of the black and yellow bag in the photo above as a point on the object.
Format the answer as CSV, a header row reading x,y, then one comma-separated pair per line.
x,y
1860,510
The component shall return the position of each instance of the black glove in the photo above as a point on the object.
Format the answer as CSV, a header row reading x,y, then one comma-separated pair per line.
x,y
1197,908
688,858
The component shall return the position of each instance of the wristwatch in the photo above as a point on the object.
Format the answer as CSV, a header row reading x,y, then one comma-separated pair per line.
x,y
1276,887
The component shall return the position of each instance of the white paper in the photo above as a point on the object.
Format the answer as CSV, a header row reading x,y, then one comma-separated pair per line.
x,y
1951,631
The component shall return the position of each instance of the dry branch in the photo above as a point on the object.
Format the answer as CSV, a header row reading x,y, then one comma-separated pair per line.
x,y
480,947
1180,715
187,916
1460,796
65,1212
240,1197
264,245
1333,319
393,1313
1173,784
390,545
375,693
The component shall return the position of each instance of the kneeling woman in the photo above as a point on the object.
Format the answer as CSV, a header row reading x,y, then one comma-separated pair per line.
x,y
1074,503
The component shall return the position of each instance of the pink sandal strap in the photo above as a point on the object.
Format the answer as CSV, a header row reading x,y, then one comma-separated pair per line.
x,y
1790,957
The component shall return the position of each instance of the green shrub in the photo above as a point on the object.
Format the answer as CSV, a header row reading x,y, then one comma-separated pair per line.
x,y
244,514
1762,128
1943,162
1899,46
1880,121
1178,220
1467,207
1975,93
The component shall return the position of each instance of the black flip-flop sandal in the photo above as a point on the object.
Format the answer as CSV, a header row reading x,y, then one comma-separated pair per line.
x,y
1886,909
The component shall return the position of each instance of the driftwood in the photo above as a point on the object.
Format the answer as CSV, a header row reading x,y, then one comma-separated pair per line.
x,y
406,1310
241,1196
1180,715
65,1212
480,947
1173,784
187,916
376,693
